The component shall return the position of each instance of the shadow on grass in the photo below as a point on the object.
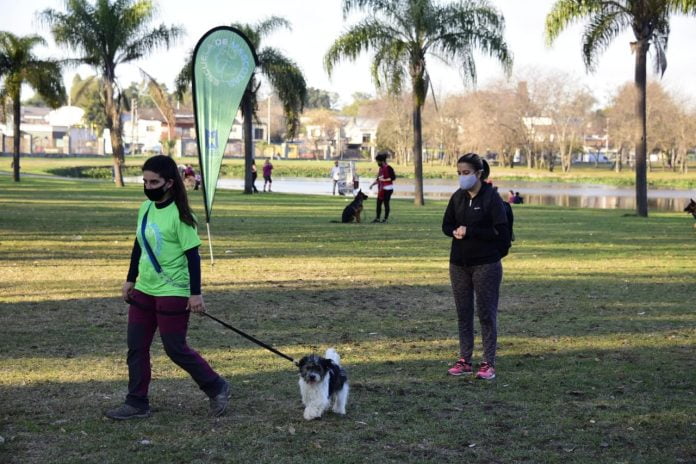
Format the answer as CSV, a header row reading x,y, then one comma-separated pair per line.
x,y
538,410
305,313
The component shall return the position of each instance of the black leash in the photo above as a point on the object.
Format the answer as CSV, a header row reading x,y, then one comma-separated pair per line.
x,y
243,334
250,338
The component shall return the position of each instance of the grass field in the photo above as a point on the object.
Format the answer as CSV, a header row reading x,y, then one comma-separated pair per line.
x,y
100,167
597,335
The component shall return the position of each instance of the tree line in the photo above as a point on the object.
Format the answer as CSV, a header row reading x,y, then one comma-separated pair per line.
x,y
402,36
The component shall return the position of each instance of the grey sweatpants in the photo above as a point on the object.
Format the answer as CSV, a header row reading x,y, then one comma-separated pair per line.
x,y
482,285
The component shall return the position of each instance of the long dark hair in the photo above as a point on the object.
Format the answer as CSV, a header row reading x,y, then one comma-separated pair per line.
x,y
478,163
166,168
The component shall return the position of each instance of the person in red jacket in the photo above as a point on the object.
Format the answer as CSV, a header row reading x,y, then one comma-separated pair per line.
x,y
385,186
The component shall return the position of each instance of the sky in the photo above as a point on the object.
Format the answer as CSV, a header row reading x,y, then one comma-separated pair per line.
x,y
317,23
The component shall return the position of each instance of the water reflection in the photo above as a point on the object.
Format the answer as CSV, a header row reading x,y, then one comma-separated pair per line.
x,y
606,202
579,201
534,193
566,195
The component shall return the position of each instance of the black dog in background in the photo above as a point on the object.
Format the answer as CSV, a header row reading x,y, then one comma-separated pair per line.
x,y
352,211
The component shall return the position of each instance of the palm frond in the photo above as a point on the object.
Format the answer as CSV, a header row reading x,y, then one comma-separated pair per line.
x,y
19,64
684,7
369,33
272,24
77,29
389,66
108,32
160,98
567,12
250,32
602,28
659,48
388,7
138,47
463,28
46,78
184,78
287,79
81,89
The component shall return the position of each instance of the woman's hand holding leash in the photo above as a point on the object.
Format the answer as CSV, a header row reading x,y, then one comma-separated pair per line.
x,y
196,304
459,233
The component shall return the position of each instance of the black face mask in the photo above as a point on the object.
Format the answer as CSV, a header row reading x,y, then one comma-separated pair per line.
x,y
155,194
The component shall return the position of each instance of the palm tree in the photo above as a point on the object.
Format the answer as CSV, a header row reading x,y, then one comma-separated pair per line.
x,y
606,19
403,32
19,65
282,74
106,34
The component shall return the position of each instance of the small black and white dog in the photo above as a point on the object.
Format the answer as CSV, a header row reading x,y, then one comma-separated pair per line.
x,y
323,384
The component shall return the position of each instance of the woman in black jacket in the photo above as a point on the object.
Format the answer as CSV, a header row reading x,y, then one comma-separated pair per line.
x,y
476,220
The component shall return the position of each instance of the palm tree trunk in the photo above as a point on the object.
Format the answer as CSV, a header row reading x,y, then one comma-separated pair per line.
x,y
641,50
117,147
247,115
418,199
17,114
113,123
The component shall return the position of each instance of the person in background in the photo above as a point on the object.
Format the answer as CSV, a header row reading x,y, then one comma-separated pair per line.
x,y
335,175
267,171
254,175
511,197
476,220
163,287
385,185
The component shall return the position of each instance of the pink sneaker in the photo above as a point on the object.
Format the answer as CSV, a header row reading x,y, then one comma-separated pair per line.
x,y
485,372
461,367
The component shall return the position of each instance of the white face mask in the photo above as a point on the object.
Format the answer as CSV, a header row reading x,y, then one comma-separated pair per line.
x,y
467,182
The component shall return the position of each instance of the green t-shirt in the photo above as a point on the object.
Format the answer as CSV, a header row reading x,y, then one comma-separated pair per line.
x,y
169,238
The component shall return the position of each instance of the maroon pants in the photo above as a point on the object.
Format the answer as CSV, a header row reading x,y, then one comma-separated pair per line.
x,y
170,315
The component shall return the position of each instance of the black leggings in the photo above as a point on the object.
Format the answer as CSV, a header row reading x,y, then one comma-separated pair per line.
x,y
385,200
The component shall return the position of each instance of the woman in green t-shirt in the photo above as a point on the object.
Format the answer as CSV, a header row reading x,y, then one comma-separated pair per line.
x,y
163,286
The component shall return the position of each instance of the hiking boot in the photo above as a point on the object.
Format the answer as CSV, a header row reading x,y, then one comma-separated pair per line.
x,y
461,367
376,220
384,220
219,402
126,411
485,371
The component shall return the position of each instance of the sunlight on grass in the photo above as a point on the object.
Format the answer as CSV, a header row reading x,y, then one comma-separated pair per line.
x,y
596,321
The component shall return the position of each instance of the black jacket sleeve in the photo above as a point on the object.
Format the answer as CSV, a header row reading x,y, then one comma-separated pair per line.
x,y
194,268
449,221
134,260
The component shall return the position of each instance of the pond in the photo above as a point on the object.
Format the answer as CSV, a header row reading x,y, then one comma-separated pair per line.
x,y
534,193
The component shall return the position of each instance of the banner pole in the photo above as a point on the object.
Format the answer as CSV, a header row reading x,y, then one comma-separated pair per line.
x,y
210,244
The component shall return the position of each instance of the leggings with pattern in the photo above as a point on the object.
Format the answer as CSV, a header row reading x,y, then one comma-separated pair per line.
x,y
477,287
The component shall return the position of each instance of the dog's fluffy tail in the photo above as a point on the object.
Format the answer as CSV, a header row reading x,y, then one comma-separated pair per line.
x,y
332,354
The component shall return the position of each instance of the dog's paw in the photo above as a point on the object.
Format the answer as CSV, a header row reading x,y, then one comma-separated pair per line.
x,y
310,414
339,411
